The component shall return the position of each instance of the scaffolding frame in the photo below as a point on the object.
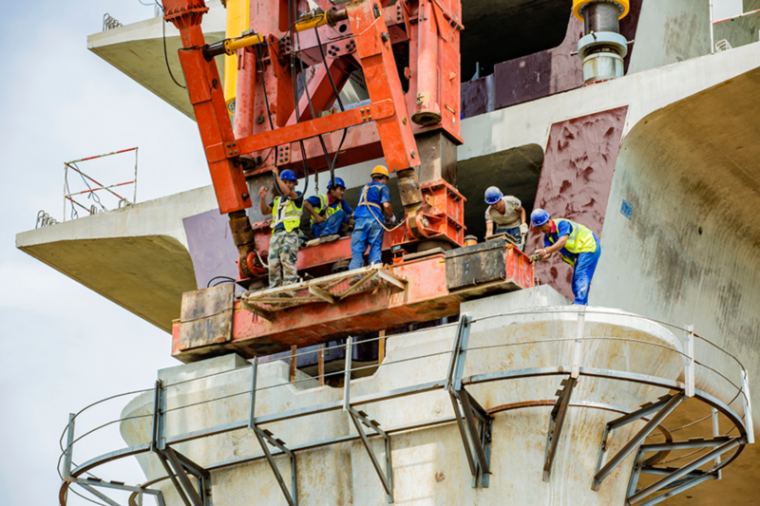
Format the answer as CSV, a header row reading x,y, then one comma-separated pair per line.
x,y
475,426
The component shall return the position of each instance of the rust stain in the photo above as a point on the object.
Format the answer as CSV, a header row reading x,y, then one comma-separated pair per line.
x,y
576,180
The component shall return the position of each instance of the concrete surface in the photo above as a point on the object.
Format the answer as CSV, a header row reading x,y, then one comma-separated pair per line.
x,y
136,256
689,253
137,50
503,148
429,464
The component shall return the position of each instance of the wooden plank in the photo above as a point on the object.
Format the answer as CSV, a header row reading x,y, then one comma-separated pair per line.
x,y
322,294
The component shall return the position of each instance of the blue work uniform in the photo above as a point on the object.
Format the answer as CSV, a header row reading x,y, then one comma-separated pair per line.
x,y
584,259
335,214
368,230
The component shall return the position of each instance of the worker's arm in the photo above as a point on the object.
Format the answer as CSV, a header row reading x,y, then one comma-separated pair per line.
x,y
489,229
388,209
547,252
265,209
522,214
284,190
310,209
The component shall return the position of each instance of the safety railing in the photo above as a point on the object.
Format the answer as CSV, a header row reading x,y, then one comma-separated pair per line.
x,y
475,423
92,187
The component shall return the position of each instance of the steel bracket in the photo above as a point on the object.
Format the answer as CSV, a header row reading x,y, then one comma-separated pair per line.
x,y
476,434
266,438
360,418
665,405
557,423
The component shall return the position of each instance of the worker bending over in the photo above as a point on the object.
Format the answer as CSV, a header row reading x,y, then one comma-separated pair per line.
x,y
577,245
505,214
335,211
286,218
368,230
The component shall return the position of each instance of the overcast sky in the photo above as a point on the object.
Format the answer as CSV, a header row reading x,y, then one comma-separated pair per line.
x,y
63,345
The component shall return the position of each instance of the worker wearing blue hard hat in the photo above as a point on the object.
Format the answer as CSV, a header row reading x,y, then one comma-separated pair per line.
x,y
373,210
505,214
335,211
286,210
576,244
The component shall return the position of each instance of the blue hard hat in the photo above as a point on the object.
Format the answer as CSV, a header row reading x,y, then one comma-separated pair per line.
x,y
538,217
338,182
288,175
493,195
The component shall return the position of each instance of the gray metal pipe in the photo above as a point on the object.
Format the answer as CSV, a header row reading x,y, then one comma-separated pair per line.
x,y
602,17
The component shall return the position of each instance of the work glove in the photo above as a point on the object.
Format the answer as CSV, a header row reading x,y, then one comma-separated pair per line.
x,y
524,229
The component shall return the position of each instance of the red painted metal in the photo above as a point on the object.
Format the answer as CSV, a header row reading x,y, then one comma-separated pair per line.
x,y
426,298
266,132
441,218
206,95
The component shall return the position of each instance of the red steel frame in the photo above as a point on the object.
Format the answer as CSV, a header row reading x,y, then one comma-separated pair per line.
x,y
427,29
426,298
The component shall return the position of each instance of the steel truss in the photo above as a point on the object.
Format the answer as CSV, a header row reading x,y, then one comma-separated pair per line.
x,y
193,482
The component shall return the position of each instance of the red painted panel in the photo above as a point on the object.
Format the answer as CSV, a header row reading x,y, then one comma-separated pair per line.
x,y
575,181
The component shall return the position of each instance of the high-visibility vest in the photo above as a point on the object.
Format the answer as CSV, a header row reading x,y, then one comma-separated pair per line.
x,y
580,240
323,205
289,215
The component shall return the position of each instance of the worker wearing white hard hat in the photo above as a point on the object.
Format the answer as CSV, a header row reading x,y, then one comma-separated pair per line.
x,y
505,214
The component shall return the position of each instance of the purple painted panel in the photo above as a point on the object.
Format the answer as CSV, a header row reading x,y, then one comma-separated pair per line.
x,y
541,74
576,180
477,97
211,246
538,75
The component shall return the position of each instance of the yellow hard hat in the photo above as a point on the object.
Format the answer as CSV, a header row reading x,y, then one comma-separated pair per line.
x,y
380,170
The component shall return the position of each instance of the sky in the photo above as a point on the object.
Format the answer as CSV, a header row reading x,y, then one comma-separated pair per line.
x,y
64,346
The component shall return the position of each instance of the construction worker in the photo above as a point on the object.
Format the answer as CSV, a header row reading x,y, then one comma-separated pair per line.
x,y
374,201
577,245
505,214
335,211
286,218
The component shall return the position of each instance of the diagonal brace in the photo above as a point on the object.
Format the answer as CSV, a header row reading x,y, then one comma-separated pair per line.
x,y
557,423
385,477
667,408
475,427
266,438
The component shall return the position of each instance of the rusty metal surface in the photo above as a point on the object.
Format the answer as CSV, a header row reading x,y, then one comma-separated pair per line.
x,y
576,180
206,317
476,265
426,298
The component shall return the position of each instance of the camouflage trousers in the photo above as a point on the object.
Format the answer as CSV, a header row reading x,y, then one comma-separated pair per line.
x,y
283,254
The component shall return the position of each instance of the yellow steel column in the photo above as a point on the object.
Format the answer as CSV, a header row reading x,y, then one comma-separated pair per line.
x,y
238,21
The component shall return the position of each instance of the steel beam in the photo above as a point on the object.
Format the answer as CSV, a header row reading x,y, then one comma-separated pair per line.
x,y
264,438
557,422
385,477
676,491
654,487
69,451
669,406
179,470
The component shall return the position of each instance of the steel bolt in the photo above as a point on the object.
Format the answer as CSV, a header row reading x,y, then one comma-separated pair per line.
x,y
246,196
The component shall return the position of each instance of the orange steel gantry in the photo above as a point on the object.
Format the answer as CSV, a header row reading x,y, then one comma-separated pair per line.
x,y
408,57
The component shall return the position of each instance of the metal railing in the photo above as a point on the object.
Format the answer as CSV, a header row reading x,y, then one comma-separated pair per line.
x,y
93,186
474,422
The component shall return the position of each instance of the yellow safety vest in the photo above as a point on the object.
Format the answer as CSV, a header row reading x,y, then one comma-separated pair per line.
x,y
580,240
289,215
323,204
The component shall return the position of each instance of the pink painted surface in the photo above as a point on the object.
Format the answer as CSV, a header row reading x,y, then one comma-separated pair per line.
x,y
575,182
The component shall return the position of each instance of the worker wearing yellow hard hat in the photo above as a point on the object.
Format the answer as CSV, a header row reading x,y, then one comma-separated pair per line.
x,y
373,209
